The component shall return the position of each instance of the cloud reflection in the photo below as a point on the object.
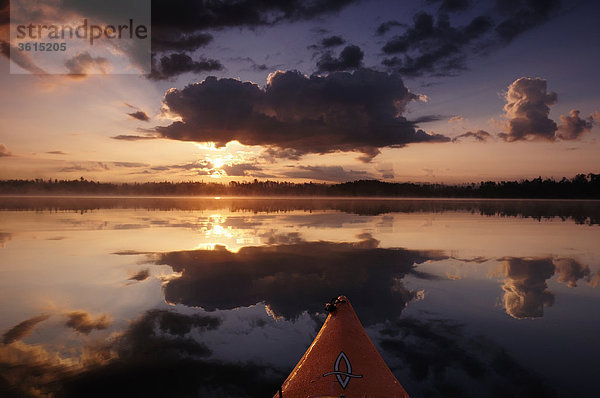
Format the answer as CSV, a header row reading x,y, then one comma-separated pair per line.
x,y
436,358
581,212
156,348
525,289
293,276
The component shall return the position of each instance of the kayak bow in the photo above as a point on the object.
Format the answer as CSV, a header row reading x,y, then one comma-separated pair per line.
x,y
341,362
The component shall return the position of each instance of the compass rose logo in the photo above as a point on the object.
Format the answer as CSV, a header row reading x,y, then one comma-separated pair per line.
x,y
343,377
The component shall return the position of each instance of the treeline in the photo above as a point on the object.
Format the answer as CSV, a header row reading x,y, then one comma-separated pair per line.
x,y
581,186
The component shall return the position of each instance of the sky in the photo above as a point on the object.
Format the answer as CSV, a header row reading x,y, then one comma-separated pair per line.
x,y
444,91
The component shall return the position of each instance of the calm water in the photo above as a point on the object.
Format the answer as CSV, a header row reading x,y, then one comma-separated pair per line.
x,y
221,297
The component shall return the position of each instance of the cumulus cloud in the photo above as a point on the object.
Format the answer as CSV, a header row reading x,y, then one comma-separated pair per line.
x,y
178,63
140,115
360,111
525,289
22,329
4,151
83,64
527,108
572,126
82,322
350,58
479,135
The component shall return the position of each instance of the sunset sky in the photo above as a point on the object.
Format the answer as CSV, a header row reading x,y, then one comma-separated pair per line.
x,y
445,91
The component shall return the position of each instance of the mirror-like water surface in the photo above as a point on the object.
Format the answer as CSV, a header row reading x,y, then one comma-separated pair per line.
x,y
221,297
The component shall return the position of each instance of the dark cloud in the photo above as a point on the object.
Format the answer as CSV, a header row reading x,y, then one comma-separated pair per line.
x,y
433,46
451,5
479,135
20,58
194,16
177,41
271,154
82,64
350,58
439,358
198,166
177,63
56,153
523,15
260,67
141,275
570,271
181,25
86,166
525,289
129,164
134,137
154,348
326,173
292,278
140,115
4,151
358,111
386,26
527,108
22,329
332,41
428,119
240,169
572,126
82,322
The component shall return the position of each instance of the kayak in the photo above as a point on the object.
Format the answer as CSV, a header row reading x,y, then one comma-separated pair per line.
x,y
341,362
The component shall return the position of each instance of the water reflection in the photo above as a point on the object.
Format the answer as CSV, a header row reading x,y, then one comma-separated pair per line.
x,y
221,298
580,211
294,277
439,357
525,290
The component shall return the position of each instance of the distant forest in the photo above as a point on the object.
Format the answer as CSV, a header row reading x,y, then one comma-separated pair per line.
x,y
581,186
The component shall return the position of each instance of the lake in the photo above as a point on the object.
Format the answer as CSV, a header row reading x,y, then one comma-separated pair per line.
x,y
220,297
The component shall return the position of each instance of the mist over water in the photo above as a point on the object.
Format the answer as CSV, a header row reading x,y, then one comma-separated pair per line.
x,y
221,297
